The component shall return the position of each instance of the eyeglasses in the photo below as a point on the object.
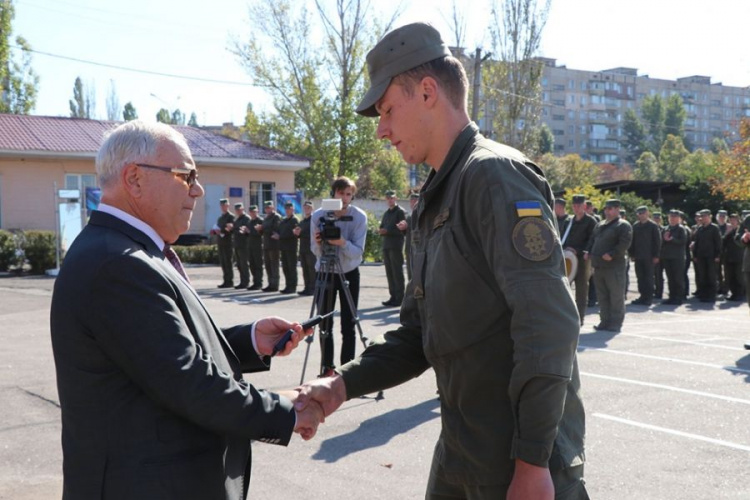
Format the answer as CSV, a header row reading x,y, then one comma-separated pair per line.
x,y
189,175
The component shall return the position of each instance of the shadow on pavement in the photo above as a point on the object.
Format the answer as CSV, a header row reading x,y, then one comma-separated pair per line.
x,y
743,364
377,431
595,340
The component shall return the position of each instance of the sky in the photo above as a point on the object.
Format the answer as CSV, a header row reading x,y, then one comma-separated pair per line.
x,y
661,38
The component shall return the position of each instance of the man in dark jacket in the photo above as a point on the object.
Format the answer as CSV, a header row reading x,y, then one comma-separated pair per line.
x,y
577,237
658,268
270,230
612,239
393,249
743,238
288,248
307,258
706,256
488,307
223,233
732,258
673,257
644,251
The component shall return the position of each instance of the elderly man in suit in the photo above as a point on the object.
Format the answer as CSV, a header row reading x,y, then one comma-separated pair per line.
x,y
151,391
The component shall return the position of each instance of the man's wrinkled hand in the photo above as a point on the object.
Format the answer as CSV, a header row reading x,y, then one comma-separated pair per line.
x,y
268,331
328,392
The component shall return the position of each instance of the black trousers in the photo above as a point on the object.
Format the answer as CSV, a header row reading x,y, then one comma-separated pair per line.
x,y
675,270
307,261
348,317
644,272
225,260
734,279
394,271
658,280
271,260
256,263
705,277
241,255
289,266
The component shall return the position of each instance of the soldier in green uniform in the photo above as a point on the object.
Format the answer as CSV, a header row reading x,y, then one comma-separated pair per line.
x,y
732,259
561,215
645,248
405,227
255,248
612,239
488,306
393,249
223,232
577,238
288,247
240,235
706,256
270,231
658,268
672,257
742,238
307,258
722,222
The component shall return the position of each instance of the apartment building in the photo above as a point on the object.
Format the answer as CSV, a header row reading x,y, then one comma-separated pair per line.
x,y
586,109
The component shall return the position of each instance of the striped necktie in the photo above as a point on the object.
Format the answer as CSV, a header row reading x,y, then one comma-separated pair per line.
x,y
173,259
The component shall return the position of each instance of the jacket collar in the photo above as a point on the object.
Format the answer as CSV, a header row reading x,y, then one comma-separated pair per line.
x,y
99,218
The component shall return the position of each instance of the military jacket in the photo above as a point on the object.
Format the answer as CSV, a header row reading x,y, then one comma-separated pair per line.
x,y
744,227
707,242
287,238
304,236
646,242
240,238
490,310
731,251
612,237
581,234
674,248
393,238
270,226
225,236
562,224
255,238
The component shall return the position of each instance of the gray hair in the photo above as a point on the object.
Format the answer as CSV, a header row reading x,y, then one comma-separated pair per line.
x,y
132,142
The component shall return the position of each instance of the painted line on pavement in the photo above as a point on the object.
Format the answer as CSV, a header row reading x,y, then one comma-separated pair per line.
x,y
668,388
678,341
662,358
674,432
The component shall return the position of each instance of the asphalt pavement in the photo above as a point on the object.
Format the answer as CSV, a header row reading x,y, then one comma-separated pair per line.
x,y
667,403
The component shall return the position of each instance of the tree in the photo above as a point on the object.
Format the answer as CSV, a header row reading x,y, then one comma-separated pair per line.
x,y
646,167
674,117
635,136
193,122
113,103
653,113
546,140
164,116
18,81
673,153
315,89
178,117
568,171
84,101
733,168
514,82
129,112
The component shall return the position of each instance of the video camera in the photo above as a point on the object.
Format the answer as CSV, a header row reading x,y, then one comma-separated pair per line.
x,y
327,222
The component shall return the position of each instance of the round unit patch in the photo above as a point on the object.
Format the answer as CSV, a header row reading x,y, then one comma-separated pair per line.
x,y
533,238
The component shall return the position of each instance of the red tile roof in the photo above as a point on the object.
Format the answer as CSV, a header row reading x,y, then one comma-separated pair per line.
x,y
78,135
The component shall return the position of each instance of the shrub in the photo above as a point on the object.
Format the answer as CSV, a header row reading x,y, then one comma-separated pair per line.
x,y
39,250
7,250
373,243
198,254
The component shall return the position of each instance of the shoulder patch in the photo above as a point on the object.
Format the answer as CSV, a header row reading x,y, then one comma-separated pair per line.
x,y
533,239
529,208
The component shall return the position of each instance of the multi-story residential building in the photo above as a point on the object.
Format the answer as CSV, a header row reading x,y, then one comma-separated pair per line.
x,y
585,109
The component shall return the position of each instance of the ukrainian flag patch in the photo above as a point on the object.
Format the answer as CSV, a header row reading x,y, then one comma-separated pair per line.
x,y
529,208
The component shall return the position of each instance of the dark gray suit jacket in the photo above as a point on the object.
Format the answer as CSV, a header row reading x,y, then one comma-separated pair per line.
x,y
151,390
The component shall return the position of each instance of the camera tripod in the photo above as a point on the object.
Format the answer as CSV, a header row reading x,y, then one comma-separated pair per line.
x,y
323,300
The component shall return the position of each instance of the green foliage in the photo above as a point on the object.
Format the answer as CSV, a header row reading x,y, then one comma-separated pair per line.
x,y
373,243
83,103
39,250
569,170
671,156
659,120
18,82
7,250
193,122
315,88
629,202
646,167
596,197
674,117
129,113
635,136
164,116
198,254
546,140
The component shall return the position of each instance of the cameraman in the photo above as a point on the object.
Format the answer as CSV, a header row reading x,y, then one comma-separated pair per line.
x,y
349,250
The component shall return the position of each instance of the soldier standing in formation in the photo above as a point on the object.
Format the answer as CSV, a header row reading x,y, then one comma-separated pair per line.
x,y
270,231
674,237
224,242
561,215
658,268
240,238
644,250
612,239
743,238
288,247
732,258
255,248
706,255
306,256
591,210
722,223
393,249
405,227
578,237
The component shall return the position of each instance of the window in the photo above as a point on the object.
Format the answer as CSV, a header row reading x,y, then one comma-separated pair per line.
x,y
558,132
571,84
261,192
572,99
80,182
558,117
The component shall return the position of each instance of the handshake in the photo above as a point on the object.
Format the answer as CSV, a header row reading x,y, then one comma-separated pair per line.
x,y
314,400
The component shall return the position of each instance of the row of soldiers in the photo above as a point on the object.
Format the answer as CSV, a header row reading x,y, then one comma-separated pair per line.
x,y
252,241
605,248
